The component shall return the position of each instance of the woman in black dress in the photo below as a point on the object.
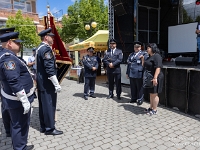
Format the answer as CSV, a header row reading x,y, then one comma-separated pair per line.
x,y
154,64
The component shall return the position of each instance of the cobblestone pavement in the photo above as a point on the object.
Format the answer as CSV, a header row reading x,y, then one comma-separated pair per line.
x,y
99,124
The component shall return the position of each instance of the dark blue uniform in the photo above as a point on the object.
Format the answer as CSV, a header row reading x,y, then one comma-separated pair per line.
x,y
113,74
135,74
5,113
14,77
90,75
46,67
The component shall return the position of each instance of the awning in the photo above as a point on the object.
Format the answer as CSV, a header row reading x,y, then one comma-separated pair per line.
x,y
98,41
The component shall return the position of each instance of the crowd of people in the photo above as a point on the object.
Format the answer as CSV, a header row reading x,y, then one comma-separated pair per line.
x,y
18,85
143,71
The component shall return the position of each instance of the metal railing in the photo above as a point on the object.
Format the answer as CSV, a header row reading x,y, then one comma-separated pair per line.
x,y
15,10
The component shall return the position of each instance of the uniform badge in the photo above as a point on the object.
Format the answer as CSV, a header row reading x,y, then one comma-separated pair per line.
x,y
48,55
10,65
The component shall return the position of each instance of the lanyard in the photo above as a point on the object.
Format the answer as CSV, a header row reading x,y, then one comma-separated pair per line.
x,y
134,56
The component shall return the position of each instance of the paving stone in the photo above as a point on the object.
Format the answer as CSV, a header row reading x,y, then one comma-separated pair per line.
x,y
88,147
143,148
115,147
78,145
42,148
98,143
100,124
87,142
106,146
52,145
151,145
134,146
124,144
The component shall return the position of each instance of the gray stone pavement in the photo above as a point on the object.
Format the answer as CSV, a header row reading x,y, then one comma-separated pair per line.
x,y
99,124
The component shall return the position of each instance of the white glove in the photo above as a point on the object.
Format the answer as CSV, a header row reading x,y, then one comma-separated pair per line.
x,y
54,80
23,98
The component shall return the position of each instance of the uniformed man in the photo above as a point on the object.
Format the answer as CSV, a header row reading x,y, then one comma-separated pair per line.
x,y
90,66
5,114
47,83
17,89
31,62
32,67
135,73
113,58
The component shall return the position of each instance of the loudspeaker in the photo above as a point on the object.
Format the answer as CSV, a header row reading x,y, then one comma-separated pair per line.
x,y
119,10
185,61
177,91
194,95
163,95
118,7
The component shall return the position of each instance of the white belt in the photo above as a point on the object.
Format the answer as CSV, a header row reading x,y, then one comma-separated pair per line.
x,y
32,90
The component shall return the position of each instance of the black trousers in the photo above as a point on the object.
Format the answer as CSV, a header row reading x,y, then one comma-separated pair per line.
x,y
89,86
19,127
81,77
114,78
99,70
47,107
6,118
136,88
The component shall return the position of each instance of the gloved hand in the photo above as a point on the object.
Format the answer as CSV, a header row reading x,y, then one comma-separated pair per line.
x,y
24,99
54,80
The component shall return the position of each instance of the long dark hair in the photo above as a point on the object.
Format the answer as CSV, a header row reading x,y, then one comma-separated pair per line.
x,y
154,48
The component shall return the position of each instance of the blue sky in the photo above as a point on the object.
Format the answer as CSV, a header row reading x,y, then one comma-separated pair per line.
x,y
58,6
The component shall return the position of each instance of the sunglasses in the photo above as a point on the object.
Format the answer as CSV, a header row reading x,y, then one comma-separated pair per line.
x,y
112,43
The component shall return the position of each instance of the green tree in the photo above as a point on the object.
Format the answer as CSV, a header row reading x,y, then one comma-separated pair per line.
x,y
81,13
26,28
197,19
186,17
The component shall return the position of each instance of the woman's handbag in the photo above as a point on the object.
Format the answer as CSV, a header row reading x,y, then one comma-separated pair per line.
x,y
147,79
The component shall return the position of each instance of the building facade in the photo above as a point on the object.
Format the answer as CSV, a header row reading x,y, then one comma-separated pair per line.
x,y
10,7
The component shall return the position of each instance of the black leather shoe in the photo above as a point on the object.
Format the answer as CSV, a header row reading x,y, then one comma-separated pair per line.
x,y
139,102
8,135
85,97
29,147
133,101
42,130
54,132
118,97
92,96
110,96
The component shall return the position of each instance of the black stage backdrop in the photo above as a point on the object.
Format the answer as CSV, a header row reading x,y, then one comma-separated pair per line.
x,y
123,26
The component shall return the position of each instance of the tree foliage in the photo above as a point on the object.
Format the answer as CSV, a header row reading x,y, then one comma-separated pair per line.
x,y
197,19
186,17
26,29
83,12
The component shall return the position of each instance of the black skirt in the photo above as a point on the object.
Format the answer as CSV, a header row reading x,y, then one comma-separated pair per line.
x,y
158,88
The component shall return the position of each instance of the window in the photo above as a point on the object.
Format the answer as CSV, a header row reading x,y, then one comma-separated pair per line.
x,y
5,4
28,7
18,4
22,5
2,23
